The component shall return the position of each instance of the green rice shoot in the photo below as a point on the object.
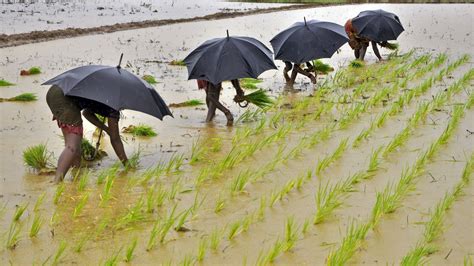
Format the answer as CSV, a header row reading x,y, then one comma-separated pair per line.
x,y
34,70
24,97
177,63
259,98
321,67
356,64
189,103
4,83
141,130
391,46
249,83
37,157
150,79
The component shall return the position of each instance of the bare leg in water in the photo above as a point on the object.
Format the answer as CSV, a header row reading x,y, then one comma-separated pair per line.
x,y
213,94
70,156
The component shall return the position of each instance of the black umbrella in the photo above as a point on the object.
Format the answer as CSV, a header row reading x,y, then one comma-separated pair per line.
x,y
112,86
228,58
308,40
377,25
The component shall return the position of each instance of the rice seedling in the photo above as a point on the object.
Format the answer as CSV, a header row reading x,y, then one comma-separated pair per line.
x,y
324,163
59,253
80,205
374,161
274,196
467,260
24,97
2,210
356,64
188,103
216,144
240,182
415,257
20,209
39,202
175,163
103,174
291,233
167,224
106,190
328,198
83,180
140,130
175,187
201,253
113,260
133,161
259,98
37,157
234,229
215,239
160,196
134,214
34,70
36,225
198,151
182,219
150,79
197,203
177,63
4,83
305,226
249,83
220,204
261,208
155,231
150,199
130,249
247,221
188,260
13,235
397,141
277,248
321,67
355,235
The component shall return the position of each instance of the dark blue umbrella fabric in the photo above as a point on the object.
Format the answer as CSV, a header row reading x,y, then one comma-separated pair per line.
x,y
308,40
112,86
377,25
228,58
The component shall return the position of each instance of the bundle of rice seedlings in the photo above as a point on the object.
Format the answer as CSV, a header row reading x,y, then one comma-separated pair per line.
x,y
391,46
150,79
249,83
177,63
24,97
356,63
4,83
189,103
321,67
37,157
140,130
259,98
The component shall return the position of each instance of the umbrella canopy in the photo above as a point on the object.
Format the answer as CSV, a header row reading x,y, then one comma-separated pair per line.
x,y
112,86
228,58
308,40
378,25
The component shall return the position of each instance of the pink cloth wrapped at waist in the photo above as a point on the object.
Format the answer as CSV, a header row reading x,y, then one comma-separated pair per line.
x,y
72,129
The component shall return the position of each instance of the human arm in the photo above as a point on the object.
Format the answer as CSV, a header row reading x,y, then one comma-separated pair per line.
x,y
238,89
115,139
90,116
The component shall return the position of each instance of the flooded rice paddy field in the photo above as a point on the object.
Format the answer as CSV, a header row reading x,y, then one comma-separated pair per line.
x,y
374,149
27,16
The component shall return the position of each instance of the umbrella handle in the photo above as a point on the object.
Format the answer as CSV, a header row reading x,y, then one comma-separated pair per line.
x,y
98,141
243,104
120,61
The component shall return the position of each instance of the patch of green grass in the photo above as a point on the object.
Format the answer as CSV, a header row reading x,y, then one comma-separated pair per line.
x,y
177,63
4,83
321,67
249,83
37,157
34,70
141,130
24,97
150,79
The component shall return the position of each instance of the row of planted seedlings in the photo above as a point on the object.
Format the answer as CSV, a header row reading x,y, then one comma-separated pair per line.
x,y
106,191
390,199
324,190
239,183
108,176
434,226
